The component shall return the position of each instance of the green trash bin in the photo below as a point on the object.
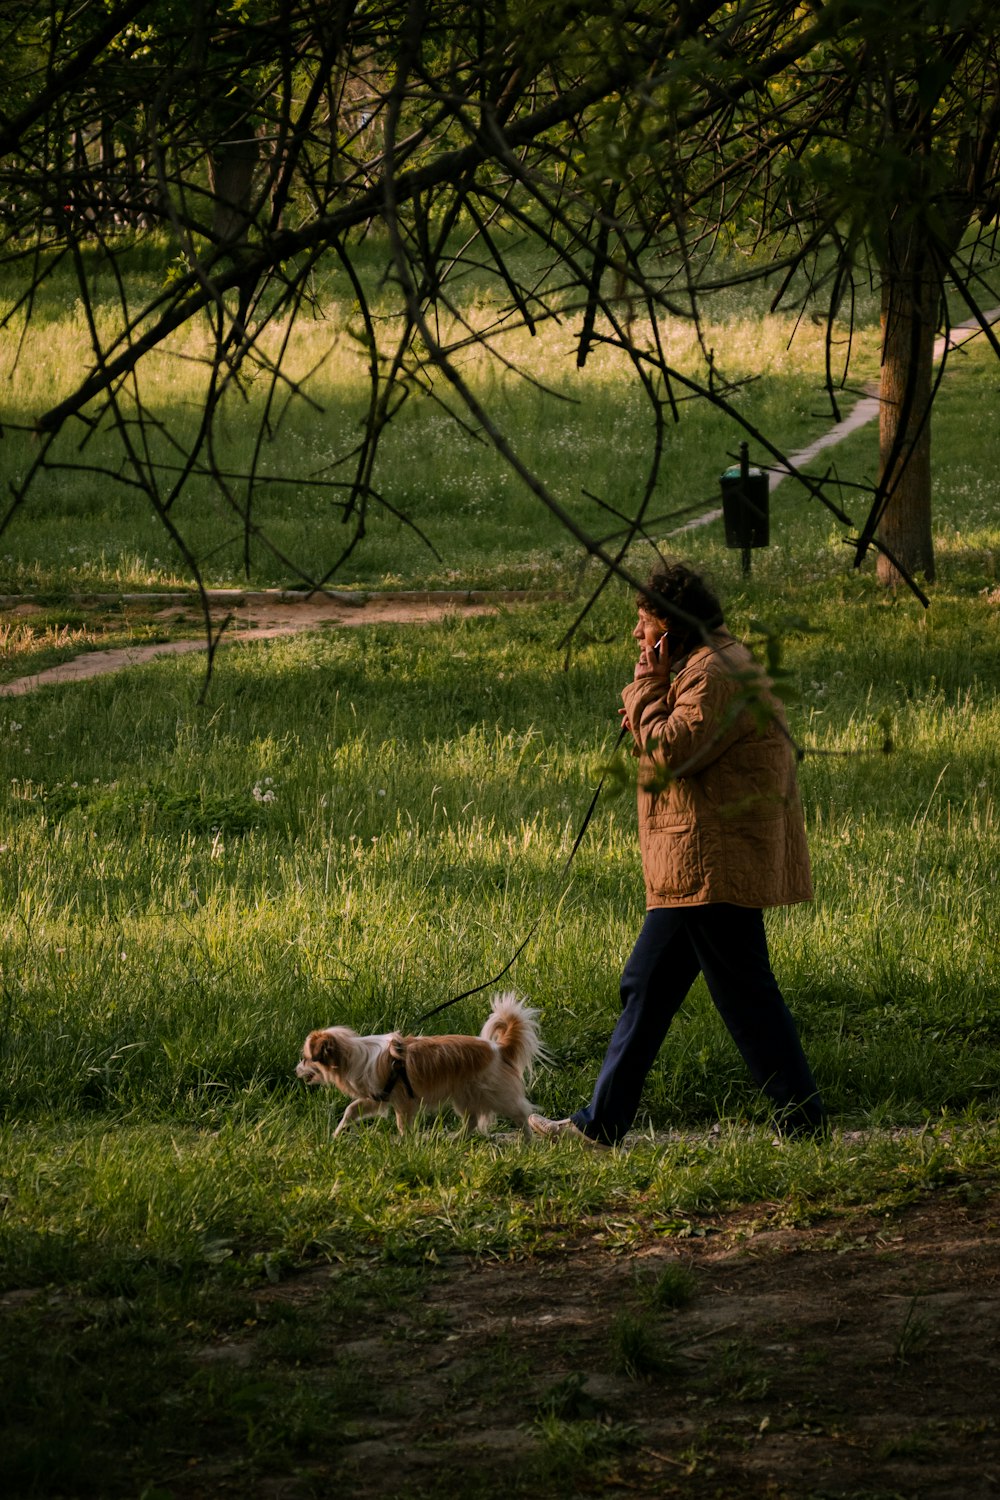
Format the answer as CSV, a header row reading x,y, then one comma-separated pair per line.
x,y
746,507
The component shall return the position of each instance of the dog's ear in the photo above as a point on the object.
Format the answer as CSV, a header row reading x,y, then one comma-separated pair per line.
x,y
325,1049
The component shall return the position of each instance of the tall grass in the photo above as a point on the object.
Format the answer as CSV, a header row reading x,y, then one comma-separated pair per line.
x,y
584,433
366,820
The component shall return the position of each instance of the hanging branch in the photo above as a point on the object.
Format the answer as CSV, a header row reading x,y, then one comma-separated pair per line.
x,y
638,152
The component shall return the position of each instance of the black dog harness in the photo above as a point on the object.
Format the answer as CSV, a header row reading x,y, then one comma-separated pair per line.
x,y
397,1074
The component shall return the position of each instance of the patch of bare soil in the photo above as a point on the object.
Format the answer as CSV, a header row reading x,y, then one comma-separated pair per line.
x,y
255,617
856,1358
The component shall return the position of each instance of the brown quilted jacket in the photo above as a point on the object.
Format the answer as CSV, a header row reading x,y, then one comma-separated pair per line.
x,y
719,811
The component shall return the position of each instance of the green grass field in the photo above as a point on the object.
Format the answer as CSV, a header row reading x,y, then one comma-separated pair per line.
x,y
86,526
358,824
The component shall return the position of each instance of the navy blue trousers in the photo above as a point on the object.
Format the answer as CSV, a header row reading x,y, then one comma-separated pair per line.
x,y
729,946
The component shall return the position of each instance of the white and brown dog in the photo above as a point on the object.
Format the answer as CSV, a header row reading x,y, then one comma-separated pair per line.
x,y
479,1076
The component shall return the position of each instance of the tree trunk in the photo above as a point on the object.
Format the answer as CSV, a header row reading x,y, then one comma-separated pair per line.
x,y
910,301
233,151
231,166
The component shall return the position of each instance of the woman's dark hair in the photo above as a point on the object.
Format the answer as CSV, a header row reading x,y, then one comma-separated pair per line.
x,y
678,585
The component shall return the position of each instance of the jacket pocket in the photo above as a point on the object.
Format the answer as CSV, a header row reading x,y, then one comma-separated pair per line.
x,y
673,859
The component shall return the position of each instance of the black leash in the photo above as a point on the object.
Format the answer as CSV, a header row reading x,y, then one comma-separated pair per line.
x,y
538,920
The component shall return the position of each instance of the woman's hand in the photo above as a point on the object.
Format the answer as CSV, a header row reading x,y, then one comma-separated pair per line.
x,y
653,662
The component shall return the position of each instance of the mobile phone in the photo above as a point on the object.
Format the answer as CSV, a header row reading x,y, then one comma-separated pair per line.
x,y
658,644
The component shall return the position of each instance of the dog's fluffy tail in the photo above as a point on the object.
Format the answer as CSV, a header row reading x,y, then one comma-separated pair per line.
x,y
513,1027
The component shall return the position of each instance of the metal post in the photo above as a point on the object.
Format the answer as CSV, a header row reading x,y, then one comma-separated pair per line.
x,y
745,485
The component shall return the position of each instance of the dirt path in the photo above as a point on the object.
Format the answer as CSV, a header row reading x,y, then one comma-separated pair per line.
x,y
857,1357
262,616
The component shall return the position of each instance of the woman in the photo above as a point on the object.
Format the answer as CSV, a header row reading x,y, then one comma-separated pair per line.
x,y
722,836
